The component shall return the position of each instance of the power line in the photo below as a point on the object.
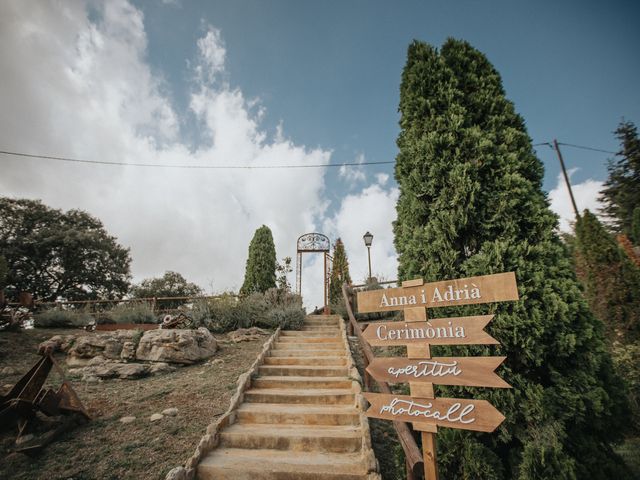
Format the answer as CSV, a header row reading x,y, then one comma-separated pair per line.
x,y
587,148
162,165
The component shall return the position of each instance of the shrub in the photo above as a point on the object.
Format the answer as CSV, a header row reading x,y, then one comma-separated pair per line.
x,y
132,313
57,318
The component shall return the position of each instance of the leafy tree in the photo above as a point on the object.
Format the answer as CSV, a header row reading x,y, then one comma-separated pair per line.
x,y
635,226
339,273
4,273
52,253
284,269
171,284
611,280
471,203
621,193
260,272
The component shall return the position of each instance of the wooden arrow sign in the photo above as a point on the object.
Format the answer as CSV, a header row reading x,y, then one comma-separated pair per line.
x,y
438,331
478,415
468,371
462,291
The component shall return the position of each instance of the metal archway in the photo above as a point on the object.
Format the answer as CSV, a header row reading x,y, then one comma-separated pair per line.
x,y
314,243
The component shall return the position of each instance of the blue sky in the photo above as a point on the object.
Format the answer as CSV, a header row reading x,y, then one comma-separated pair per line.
x,y
279,82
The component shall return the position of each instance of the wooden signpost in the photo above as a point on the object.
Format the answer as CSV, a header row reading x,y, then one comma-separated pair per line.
x,y
422,371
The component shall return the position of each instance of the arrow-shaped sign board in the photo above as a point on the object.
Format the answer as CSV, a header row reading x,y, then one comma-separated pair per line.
x,y
462,291
467,371
437,331
478,415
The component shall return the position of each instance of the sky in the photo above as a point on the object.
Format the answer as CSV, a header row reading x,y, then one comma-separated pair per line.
x,y
253,82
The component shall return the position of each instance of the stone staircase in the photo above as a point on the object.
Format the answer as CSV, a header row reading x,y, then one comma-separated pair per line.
x,y
301,417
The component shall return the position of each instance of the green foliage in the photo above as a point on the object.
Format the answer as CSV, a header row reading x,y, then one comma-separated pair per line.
x,y
51,253
621,192
635,226
339,273
171,284
611,279
271,309
471,203
626,358
4,273
260,272
138,312
58,318
283,270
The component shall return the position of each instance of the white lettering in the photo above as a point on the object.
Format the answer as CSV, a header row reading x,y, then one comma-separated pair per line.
x,y
413,409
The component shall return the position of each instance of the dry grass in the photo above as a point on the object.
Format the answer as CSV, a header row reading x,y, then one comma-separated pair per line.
x,y
107,449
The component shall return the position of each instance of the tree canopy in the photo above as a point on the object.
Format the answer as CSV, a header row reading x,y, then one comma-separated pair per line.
x,y
471,203
621,192
260,271
51,253
171,284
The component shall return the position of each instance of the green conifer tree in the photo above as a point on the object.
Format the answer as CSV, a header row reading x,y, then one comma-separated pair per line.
x,y
260,272
471,203
621,193
339,273
611,280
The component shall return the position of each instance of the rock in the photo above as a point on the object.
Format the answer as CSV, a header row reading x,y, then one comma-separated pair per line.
x,y
108,345
99,360
90,379
247,334
128,351
178,473
127,419
217,361
120,370
170,412
57,343
176,346
155,417
7,387
159,367
8,371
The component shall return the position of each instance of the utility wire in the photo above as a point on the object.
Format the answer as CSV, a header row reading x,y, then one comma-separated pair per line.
x,y
162,165
247,167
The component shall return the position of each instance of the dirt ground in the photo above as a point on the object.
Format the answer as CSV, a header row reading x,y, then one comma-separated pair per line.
x,y
107,449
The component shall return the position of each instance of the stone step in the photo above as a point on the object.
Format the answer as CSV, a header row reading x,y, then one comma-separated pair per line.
x,y
324,361
333,323
286,414
314,346
311,339
303,370
318,352
268,464
296,438
319,328
301,382
310,333
328,396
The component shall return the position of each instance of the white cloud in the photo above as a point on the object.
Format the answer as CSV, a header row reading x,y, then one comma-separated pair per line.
x,y
586,196
372,209
353,174
81,88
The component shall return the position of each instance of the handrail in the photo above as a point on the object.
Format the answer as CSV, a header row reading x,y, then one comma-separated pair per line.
x,y
411,451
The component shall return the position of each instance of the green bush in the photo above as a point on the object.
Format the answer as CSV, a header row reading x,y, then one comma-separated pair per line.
x,y
132,313
626,358
57,318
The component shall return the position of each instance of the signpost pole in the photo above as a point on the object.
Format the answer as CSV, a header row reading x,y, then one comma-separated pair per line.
x,y
422,390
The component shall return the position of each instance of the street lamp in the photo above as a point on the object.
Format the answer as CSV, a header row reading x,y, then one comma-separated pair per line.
x,y
368,240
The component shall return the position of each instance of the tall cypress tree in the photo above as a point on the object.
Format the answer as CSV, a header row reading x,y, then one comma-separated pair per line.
x,y
621,193
471,203
260,272
339,273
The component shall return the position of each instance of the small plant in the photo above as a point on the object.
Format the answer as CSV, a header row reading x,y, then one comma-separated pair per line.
x,y
133,313
58,318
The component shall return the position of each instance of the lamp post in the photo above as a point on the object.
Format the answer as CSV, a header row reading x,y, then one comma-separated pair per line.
x,y
368,240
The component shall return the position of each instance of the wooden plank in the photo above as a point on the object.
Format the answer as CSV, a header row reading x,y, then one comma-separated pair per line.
x,y
437,331
413,283
461,291
477,415
415,314
467,371
429,453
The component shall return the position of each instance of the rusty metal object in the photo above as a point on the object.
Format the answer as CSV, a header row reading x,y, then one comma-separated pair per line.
x,y
176,321
27,398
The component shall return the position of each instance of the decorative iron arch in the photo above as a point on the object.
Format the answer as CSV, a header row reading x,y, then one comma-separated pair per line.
x,y
314,243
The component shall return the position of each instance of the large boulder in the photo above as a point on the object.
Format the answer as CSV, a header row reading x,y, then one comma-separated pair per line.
x,y
109,346
176,346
